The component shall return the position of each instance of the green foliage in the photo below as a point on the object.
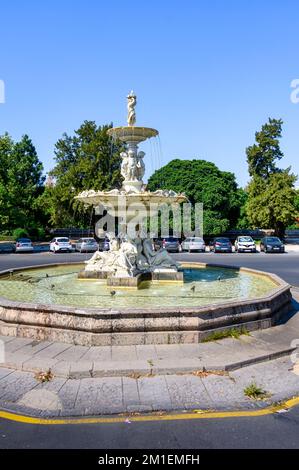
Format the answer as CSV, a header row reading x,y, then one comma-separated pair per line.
x,y
297,202
21,183
202,182
262,156
272,196
271,203
243,221
87,160
230,333
20,233
255,392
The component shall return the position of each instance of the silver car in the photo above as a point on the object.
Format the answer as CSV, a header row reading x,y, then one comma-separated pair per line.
x,y
86,245
23,245
193,244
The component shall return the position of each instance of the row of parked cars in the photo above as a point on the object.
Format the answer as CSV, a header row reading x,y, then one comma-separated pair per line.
x,y
242,244
63,244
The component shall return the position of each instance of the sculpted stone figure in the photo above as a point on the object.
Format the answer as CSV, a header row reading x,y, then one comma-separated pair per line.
x,y
157,259
124,165
141,262
120,260
140,165
132,101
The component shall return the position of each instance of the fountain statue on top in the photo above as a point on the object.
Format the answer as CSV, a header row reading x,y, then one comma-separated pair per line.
x,y
131,257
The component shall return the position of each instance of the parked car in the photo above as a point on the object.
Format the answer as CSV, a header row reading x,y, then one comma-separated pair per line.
x,y
60,244
23,245
193,244
86,245
104,244
171,244
272,245
243,244
221,245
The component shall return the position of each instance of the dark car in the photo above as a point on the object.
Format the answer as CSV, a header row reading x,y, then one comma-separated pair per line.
x,y
272,245
104,244
169,243
221,245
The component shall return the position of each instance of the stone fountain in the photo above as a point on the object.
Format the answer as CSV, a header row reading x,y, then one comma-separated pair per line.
x,y
131,258
50,303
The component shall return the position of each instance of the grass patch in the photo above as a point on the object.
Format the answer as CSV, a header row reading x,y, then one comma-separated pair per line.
x,y
231,333
255,393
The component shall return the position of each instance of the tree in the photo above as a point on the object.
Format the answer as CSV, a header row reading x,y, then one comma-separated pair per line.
x,y
271,191
21,183
202,182
6,148
271,202
87,160
243,221
263,155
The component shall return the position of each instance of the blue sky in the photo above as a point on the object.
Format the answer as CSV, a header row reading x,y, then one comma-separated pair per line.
x,y
207,74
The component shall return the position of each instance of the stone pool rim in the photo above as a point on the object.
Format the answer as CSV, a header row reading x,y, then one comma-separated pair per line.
x,y
143,325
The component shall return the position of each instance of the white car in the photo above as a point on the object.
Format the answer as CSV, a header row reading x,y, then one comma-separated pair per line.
x,y
60,244
243,244
193,244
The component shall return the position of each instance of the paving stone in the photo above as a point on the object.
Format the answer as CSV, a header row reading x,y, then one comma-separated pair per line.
x,y
130,392
54,385
185,391
100,395
6,339
119,368
98,353
166,351
15,385
68,393
222,389
87,393
61,369
34,348
81,369
110,393
16,344
275,377
41,400
15,360
166,366
37,364
54,349
124,353
153,391
5,372
146,352
72,354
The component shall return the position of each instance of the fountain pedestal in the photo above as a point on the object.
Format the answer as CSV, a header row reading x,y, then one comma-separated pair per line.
x,y
131,259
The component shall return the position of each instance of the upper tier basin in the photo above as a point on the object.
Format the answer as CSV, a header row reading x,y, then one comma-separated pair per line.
x,y
132,133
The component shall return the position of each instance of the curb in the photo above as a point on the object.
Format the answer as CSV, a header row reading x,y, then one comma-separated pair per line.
x,y
21,414
68,369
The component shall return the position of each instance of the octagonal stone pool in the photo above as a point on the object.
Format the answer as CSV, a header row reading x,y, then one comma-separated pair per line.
x,y
59,285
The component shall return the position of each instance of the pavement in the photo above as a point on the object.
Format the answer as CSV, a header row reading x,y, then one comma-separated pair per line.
x,y
106,380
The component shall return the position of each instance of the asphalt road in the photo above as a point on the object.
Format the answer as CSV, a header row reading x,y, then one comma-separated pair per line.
x,y
279,431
